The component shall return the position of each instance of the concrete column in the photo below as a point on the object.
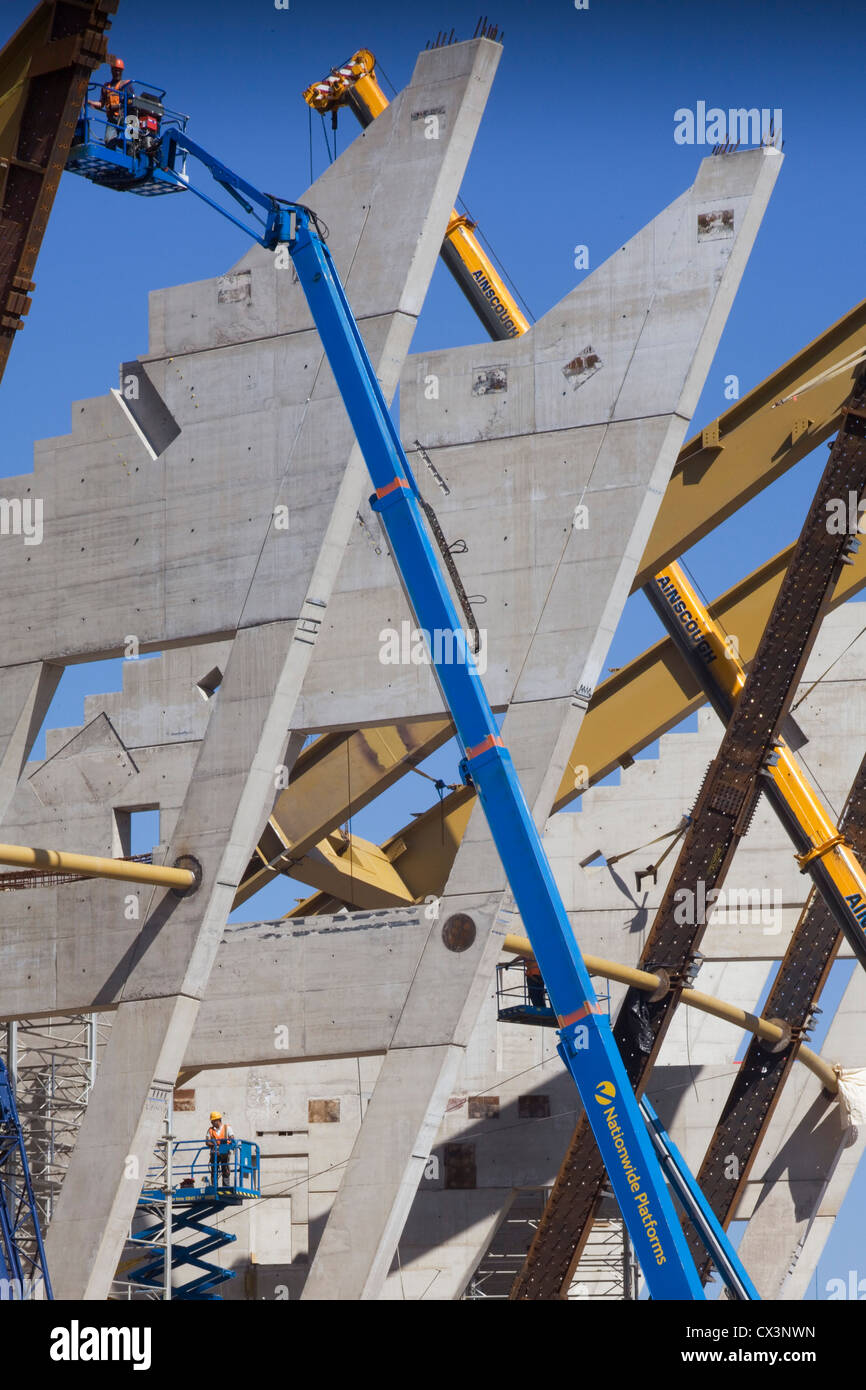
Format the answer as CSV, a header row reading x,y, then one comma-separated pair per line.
x,y
25,695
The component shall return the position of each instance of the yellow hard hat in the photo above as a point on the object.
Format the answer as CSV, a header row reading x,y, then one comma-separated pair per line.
x,y
216,1114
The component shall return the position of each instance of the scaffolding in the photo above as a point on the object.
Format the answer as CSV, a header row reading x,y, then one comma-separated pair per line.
x,y
52,1064
607,1269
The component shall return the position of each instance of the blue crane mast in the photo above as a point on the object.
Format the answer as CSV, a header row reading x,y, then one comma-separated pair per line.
x,y
156,162
22,1257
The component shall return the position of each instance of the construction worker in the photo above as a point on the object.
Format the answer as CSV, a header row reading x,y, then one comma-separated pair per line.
x,y
220,1140
112,100
535,985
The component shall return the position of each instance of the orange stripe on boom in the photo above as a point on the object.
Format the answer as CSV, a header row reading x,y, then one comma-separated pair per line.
x,y
491,741
582,1012
398,482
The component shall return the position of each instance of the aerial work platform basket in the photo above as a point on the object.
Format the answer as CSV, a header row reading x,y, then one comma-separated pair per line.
x,y
518,1001
114,148
198,1172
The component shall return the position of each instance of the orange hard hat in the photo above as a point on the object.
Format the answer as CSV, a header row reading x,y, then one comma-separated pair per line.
x,y
116,63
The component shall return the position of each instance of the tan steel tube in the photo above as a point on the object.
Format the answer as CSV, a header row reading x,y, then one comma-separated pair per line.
x,y
707,1003
61,861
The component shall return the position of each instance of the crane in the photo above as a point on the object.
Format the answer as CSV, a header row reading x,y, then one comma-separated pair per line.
x,y
354,84
821,850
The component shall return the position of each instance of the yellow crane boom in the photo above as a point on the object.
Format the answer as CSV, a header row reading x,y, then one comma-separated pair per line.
x,y
354,84
824,852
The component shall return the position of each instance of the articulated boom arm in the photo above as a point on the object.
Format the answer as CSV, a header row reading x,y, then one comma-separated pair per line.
x,y
278,225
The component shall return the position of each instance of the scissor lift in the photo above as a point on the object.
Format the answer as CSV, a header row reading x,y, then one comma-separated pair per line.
x,y
197,1193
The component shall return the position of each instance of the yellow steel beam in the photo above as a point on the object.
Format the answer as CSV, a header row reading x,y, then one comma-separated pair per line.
x,y
650,695
754,442
331,781
61,861
353,870
693,998
423,852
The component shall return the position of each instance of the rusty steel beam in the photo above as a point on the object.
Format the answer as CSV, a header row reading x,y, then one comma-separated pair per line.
x,y
44,71
763,1028
720,818
794,994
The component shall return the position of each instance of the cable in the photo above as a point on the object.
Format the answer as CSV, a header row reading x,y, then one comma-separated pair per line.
x,y
384,74
843,366
325,135
808,692
351,850
494,257
702,594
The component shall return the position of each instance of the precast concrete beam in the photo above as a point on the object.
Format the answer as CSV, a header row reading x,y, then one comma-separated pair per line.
x,y
399,1126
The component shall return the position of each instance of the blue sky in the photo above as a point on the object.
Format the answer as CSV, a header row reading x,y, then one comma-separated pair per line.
x,y
576,147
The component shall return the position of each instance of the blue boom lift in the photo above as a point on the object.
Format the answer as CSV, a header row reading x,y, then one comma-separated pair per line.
x,y
151,157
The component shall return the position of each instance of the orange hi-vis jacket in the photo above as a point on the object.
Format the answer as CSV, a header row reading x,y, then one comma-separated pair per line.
x,y
111,98
218,1136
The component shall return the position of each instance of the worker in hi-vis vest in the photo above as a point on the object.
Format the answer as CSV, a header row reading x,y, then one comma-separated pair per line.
x,y
535,985
220,1139
112,97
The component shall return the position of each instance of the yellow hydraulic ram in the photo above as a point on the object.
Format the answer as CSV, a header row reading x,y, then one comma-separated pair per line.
x,y
822,851
354,84
61,861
